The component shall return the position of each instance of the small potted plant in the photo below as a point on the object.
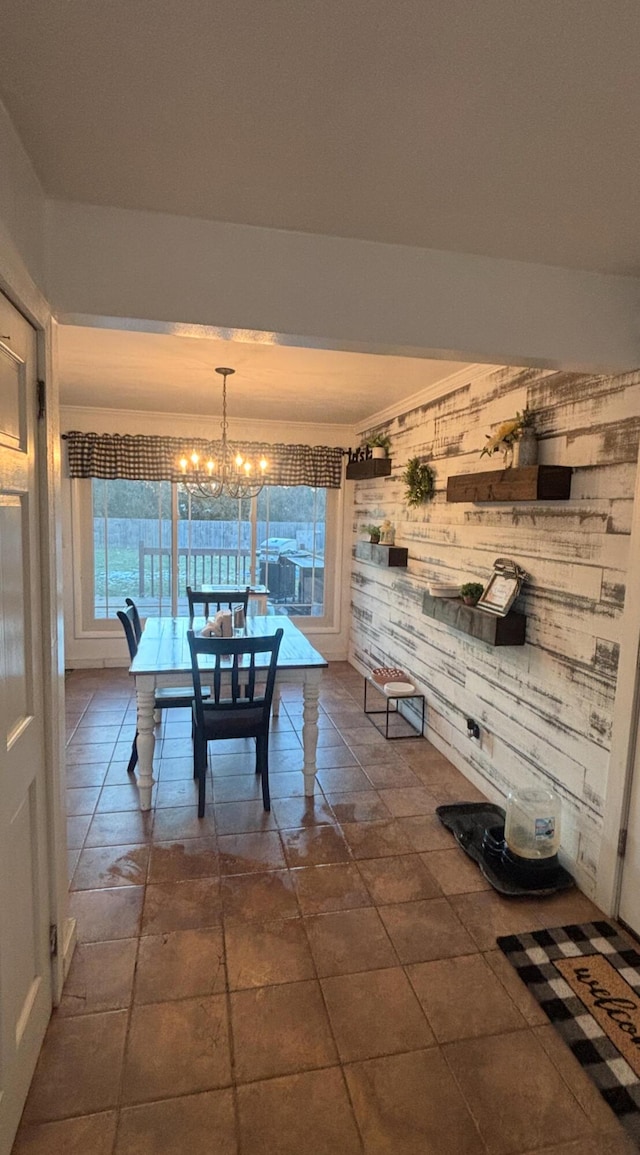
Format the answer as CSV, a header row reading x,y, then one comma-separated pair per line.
x,y
379,444
374,533
470,592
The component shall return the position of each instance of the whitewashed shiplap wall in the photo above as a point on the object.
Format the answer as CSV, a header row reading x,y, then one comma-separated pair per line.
x,y
545,709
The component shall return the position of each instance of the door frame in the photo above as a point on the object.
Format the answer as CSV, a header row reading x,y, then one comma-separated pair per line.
x,y
18,287
624,759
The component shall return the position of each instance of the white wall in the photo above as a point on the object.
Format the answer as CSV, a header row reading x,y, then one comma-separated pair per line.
x,y
546,710
22,210
91,651
332,292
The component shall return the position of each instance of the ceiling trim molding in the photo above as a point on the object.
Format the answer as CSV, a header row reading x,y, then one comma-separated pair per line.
x,y
470,375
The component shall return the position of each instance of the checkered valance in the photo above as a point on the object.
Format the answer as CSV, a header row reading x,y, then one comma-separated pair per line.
x,y
139,457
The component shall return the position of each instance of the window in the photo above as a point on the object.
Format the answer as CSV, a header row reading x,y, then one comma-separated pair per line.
x,y
150,539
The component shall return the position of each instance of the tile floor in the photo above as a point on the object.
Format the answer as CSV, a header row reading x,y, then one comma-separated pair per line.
x,y
321,979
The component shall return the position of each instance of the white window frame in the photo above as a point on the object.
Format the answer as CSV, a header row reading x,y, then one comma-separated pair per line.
x,y
86,625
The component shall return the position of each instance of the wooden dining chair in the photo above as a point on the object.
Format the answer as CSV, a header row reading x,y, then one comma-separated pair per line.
x,y
240,701
203,601
173,697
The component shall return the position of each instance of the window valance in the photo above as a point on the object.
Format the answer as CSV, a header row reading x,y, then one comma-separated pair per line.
x,y
140,457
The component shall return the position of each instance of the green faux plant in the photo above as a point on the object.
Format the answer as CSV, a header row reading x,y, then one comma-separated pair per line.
x,y
420,481
379,439
470,592
373,531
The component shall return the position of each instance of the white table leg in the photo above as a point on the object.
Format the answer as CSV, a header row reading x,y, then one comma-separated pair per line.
x,y
145,694
275,704
310,691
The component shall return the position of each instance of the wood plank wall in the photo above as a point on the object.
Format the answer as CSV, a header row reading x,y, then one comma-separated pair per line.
x,y
545,710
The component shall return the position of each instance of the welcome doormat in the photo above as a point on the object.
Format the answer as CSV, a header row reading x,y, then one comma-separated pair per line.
x,y
587,980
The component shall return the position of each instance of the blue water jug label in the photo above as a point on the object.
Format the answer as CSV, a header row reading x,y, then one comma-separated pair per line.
x,y
545,829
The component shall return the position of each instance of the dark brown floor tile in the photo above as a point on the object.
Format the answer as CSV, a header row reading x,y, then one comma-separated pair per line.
x,y
171,769
258,896
79,1068
114,798
82,801
487,915
376,839
398,1117
426,930
197,1124
358,806
617,1143
514,1092
82,777
262,953
177,1048
288,784
402,878
463,998
100,977
337,886
126,827
240,817
295,813
180,965
110,866
187,905
177,792
175,823
519,994
454,871
314,846
279,1030
179,861
246,853
92,1134
403,802
107,914
308,1112
347,777
77,826
375,1013
347,941
237,788
388,773
426,832
85,754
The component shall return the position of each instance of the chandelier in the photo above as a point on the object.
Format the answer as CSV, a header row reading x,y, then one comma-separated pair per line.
x,y
228,475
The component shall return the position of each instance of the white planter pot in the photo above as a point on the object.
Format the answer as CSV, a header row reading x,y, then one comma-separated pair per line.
x,y
378,451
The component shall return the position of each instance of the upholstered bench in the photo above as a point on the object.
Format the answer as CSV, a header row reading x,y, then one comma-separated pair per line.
x,y
394,684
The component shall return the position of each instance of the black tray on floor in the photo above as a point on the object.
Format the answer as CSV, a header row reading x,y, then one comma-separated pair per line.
x,y
468,822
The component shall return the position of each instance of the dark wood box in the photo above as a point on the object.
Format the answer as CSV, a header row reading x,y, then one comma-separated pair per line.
x,y
384,555
530,483
372,467
495,631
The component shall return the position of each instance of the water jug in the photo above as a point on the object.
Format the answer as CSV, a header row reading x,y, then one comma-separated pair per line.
x,y
532,822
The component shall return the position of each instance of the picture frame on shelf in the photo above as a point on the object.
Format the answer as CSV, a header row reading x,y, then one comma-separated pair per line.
x,y
502,588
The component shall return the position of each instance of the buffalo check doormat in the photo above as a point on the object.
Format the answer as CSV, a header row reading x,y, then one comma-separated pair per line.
x,y
587,980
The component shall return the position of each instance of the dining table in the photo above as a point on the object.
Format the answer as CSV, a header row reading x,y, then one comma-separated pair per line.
x,y
164,659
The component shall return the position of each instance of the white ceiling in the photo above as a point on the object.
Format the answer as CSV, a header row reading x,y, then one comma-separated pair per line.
x,y
175,374
507,127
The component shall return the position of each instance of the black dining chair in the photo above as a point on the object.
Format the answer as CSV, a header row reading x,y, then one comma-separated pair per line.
x,y
173,697
201,601
135,618
245,709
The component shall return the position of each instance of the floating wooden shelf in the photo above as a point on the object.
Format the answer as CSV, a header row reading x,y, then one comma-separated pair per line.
x,y
372,467
384,555
529,483
507,631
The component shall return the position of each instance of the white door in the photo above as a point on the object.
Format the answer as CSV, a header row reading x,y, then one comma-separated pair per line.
x,y
25,970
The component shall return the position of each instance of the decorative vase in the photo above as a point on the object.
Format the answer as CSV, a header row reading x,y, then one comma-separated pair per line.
x,y
507,455
375,539
378,451
527,448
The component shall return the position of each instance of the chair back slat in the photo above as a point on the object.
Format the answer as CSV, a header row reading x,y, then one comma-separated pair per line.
x,y
204,600
137,624
128,617
249,684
